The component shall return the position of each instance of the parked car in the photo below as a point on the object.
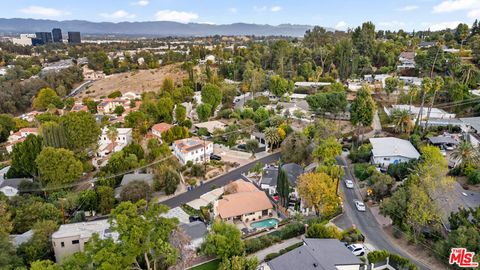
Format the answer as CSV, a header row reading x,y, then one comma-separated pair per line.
x,y
357,249
348,183
450,147
194,218
215,157
360,206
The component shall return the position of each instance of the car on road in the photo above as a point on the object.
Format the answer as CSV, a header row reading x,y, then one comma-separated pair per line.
x,y
215,157
360,206
357,249
348,183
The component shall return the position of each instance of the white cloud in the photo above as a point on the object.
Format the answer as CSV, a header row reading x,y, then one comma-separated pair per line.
x,y
473,14
119,14
391,25
44,11
275,8
175,16
141,3
444,25
341,25
260,9
408,8
233,10
455,5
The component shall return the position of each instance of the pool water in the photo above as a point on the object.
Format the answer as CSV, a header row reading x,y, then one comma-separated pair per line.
x,y
267,223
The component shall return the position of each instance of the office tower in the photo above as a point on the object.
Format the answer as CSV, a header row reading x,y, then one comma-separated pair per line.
x,y
43,37
74,37
57,35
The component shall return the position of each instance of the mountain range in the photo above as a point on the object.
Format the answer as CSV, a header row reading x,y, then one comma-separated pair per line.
x,y
151,28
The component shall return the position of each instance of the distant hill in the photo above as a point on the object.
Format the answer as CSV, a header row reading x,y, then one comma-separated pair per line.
x,y
153,28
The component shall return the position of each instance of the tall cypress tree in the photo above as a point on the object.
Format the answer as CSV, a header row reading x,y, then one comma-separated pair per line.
x,y
283,188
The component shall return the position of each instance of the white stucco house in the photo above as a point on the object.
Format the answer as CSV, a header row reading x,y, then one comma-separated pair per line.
x,y
105,145
391,150
192,149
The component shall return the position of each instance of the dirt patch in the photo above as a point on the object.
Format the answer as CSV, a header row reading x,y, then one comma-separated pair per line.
x,y
136,81
464,182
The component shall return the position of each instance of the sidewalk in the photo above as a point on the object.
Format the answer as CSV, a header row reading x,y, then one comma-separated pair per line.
x,y
275,248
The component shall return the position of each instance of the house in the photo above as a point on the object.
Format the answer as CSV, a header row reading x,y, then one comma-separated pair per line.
x,y
443,141
407,80
71,238
106,146
311,84
471,130
207,58
108,105
159,128
391,150
268,181
18,239
192,149
196,232
376,78
260,137
316,254
211,126
407,60
243,206
9,187
30,116
77,107
90,74
414,112
426,44
128,178
19,137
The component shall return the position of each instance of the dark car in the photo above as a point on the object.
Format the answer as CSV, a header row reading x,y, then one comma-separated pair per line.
x,y
194,218
215,157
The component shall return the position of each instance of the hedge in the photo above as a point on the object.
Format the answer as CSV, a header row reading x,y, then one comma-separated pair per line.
x,y
377,256
399,261
288,231
272,256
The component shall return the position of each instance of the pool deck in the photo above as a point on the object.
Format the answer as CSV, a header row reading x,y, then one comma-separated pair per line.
x,y
242,225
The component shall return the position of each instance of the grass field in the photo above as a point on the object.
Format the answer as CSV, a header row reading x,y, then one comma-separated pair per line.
x,y
213,265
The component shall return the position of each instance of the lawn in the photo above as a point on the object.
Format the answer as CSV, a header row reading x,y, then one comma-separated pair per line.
x,y
213,265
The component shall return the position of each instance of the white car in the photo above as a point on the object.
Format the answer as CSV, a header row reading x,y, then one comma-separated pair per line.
x,y
357,249
348,183
450,147
360,206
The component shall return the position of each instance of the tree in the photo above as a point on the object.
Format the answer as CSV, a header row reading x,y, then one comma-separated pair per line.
x,y
39,247
165,110
224,241
363,108
212,95
278,85
138,120
272,137
23,157
53,135
328,150
238,263
465,154
119,110
168,86
180,113
8,258
402,121
391,84
106,199
31,210
204,111
283,187
295,148
121,162
461,33
252,146
261,114
319,230
46,97
81,130
318,190
58,166
7,124
112,134
171,179
135,191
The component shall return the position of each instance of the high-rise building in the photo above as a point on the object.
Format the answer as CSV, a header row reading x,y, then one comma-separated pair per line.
x,y
74,37
57,35
43,37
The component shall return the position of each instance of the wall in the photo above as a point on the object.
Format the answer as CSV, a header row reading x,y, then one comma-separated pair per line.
x,y
385,161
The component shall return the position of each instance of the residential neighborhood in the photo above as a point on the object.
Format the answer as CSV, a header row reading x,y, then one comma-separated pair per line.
x,y
169,142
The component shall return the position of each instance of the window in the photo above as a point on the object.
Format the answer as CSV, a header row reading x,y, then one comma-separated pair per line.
x,y
74,242
62,244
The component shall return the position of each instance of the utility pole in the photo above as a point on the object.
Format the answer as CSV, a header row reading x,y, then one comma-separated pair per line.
x,y
62,210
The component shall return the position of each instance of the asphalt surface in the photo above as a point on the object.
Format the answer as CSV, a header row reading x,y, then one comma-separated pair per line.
x,y
365,221
218,182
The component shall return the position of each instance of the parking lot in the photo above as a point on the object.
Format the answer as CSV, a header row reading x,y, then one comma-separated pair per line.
x,y
231,155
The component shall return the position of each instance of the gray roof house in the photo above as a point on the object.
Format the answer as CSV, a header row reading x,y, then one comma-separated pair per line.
x,y
268,181
9,187
196,231
293,172
128,178
316,254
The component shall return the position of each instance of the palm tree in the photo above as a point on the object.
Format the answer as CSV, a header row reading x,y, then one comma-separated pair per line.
x,y
465,154
271,136
112,134
402,121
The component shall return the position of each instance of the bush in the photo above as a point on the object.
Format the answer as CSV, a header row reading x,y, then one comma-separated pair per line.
x,y
255,244
361,154
197,170
377,256
352,235
271,256
400,170
474,177
115,94
363,171
322,231
292,230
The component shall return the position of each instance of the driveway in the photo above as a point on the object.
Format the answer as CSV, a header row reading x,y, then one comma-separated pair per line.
x,y
218,182
365,221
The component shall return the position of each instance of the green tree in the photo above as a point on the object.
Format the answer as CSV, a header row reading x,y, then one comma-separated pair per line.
x,y
138,120
31,210
53,135
278,85
7,124
119,110
180,113
171,179
363,108
272,137
212,95
168,86
135,191
106,199
8,258
238,263
283,187
58,166
46,97
204,110
295,148
81,130
465,154
39,247
461,33
391,84
23,157
328,150
402,121
252,146
224,241
319,230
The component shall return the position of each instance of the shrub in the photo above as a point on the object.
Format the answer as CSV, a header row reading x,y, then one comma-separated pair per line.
x,y
322,231
292,230
363,171
271,256
115,94
197,170
255,244
400,170
474,177
377,256
361,154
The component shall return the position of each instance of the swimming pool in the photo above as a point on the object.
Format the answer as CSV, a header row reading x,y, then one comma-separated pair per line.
x,y
267,223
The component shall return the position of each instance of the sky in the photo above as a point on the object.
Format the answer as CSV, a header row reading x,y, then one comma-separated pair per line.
x,y
339,14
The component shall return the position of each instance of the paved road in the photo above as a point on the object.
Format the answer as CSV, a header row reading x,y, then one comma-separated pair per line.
x,y
80,88
366,222
218,182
